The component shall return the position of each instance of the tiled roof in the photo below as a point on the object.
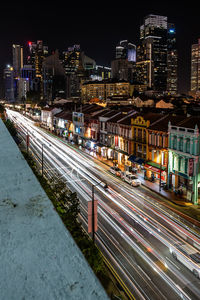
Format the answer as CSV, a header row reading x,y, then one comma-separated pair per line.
x,y
126,120
190,122
162,123
66,115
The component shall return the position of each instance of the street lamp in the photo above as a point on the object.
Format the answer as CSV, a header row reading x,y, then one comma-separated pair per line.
x,y
105,186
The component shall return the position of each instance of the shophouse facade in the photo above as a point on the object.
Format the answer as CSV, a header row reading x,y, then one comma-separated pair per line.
x,y
139,127
103,148
184,158
120,139
47,116
157,155
63,124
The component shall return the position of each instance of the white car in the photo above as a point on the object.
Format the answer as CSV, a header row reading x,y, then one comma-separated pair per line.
x,y
131,179
116,171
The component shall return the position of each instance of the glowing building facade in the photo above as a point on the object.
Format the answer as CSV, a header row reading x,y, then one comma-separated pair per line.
x,y
195,67
152,53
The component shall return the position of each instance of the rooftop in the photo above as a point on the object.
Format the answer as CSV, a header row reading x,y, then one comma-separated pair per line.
x,y
162,123
38,257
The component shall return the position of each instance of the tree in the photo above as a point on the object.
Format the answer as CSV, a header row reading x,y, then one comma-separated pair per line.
x,y
2,111
11,128
67,205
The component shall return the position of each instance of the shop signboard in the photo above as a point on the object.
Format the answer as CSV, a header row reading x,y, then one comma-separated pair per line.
x,y
190,167
78,118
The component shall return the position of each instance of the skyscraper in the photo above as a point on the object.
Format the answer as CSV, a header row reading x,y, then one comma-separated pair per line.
x,y
172,60
74,70
9,83
17,54
195,67
123,66
37,53
152,53
126,50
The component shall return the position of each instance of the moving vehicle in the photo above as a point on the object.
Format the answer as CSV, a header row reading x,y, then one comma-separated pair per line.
x,y
116,171
188,256
131,179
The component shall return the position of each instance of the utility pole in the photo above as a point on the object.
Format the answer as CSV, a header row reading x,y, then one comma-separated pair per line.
x,y
93,218
42,160
27,142
92,212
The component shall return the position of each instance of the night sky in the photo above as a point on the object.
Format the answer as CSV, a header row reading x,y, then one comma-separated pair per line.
x,y
97,26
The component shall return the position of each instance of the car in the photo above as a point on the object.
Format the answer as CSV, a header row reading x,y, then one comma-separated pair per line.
x,y
131,179
116,171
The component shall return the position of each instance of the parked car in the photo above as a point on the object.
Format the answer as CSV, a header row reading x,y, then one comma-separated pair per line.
x,y
131,179
116,171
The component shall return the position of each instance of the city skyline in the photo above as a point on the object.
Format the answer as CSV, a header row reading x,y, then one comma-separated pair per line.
x,y
97,37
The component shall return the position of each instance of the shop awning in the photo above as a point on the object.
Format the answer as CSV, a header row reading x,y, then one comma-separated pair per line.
x,y
100,145
153,169
121,151
136,159
155,165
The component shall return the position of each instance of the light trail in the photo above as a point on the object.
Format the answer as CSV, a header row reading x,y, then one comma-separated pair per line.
x,y
78,163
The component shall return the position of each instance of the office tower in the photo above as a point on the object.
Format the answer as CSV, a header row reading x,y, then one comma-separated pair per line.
x,y
54,78
172,60
72,59
37,53
28,72
36,56
123,66
9,83
100,73
195,67
23,88
126,50
87,62
74,70
17,53
152,53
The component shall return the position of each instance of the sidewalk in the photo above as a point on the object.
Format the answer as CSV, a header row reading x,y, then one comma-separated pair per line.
x,y
193,215
169,195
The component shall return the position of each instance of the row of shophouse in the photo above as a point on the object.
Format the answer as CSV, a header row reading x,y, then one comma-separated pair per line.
x,y
162,148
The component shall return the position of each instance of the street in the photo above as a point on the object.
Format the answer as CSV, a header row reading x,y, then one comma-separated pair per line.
x,y
135,230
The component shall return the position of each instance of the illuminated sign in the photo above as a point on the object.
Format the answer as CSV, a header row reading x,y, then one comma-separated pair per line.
x,y
78,117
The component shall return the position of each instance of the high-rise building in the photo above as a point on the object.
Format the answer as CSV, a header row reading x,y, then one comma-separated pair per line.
x,y
125,50
74,70
37,53
152,53
17,54
123,66
28,72
9,83
54,78
172,60
195,67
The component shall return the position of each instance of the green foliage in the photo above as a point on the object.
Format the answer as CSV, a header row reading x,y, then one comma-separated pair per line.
x,y
2,109
11,128
67,204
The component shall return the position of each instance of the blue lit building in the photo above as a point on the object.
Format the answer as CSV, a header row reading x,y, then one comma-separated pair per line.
x,y
9,84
